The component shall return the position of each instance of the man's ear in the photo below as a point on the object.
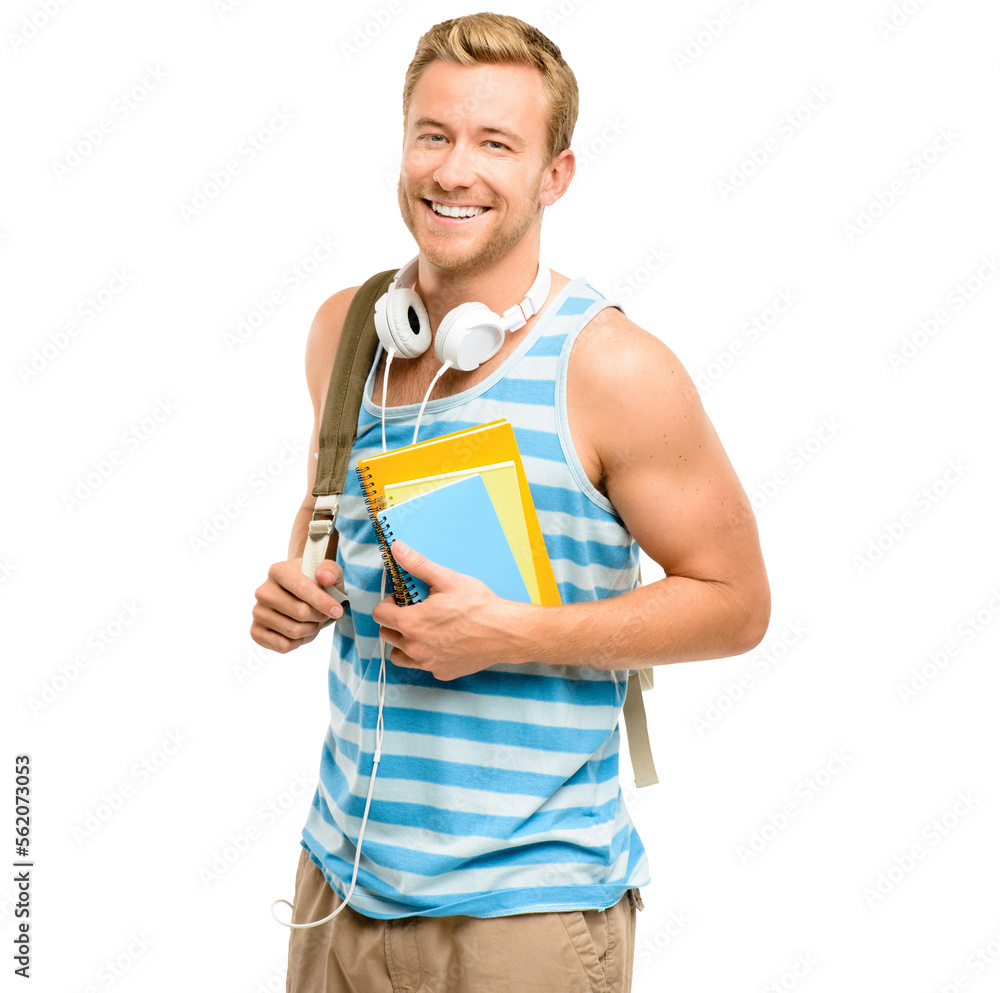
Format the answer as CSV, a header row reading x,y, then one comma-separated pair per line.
x,y
557,177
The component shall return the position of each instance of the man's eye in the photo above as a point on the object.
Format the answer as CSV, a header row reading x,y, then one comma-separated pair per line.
x,y
431,137
496,144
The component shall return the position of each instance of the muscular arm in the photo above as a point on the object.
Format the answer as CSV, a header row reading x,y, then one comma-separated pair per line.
x,y
641,431
638,422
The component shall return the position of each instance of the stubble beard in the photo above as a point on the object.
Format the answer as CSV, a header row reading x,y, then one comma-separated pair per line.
x,y
497,247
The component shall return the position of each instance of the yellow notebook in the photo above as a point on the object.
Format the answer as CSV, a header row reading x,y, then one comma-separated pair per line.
x,y
453,456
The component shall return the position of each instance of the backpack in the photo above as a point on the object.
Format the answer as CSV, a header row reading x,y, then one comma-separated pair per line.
x,y
338,430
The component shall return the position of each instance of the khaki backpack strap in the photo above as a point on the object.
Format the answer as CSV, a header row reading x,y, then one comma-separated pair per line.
x,y
355,354
634,712
338,429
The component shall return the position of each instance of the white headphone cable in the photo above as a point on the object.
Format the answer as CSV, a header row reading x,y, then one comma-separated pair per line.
x,y
380,686
385,382
420,414
376,758
379,734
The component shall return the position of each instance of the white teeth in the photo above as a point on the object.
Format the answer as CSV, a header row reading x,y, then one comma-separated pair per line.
x,y
441,208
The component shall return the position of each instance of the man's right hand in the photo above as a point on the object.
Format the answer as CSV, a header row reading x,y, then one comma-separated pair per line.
x,y
291,609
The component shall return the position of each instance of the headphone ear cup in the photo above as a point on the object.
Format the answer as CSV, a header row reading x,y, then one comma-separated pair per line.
x,y
402,324
468,336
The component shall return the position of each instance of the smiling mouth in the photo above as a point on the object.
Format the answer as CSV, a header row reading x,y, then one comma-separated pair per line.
x,y
462,213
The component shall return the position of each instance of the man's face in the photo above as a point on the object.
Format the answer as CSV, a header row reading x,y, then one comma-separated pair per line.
x,y
475,137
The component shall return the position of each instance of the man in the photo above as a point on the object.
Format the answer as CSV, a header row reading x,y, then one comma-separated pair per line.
x,y
498,854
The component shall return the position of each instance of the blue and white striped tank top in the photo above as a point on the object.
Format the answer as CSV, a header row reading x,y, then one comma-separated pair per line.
x,y
497,793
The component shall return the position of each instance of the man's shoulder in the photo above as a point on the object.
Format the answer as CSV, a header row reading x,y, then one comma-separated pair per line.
x,y
324,336
625,391
612,353
329,319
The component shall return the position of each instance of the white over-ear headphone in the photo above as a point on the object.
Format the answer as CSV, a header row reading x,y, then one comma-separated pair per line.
x,y
467,336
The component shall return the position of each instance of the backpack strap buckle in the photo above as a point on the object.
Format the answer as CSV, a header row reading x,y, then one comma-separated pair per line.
x,y
320,528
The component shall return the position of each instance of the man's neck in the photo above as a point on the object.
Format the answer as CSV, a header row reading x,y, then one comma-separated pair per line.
x,y
500,286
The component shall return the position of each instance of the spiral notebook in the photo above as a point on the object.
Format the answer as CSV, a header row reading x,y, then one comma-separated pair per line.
x,y
482,447
454,525
501,484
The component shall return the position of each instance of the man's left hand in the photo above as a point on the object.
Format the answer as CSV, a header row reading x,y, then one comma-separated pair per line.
x,y
462,627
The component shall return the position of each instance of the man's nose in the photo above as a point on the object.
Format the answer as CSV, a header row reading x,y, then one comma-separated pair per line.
x,y
456,168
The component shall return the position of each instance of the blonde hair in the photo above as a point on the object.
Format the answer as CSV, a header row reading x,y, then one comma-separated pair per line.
x,y
500,39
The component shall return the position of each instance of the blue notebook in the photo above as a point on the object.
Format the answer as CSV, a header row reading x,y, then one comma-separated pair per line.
x,y
455,526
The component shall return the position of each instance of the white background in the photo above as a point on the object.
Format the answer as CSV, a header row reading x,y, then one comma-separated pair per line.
x,y
812,828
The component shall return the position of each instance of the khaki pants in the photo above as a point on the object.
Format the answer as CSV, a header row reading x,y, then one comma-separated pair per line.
x,y
573,951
